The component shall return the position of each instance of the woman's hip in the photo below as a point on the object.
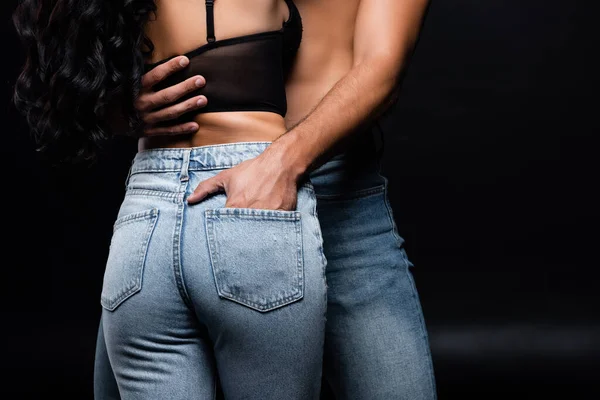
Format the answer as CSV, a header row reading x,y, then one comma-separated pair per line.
x,y
258,259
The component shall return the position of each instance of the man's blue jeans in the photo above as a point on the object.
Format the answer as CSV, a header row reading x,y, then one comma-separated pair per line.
x,y
376,343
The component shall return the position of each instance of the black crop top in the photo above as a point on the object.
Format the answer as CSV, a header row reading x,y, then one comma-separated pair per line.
x,y
245,73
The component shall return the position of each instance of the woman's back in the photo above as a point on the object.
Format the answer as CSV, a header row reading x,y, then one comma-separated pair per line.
x,y
182,27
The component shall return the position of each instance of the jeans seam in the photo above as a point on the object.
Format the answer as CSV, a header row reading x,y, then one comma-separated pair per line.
x,y
319,235
388,206
174,196
424,334
390,213
177,234
134,217
321,249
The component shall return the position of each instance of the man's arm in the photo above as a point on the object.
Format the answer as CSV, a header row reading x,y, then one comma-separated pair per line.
x,y
385,33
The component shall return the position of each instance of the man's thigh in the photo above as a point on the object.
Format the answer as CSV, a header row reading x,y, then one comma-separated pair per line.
x,y
376,344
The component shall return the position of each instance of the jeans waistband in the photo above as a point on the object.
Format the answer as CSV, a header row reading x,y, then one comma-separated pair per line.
x,y
209,157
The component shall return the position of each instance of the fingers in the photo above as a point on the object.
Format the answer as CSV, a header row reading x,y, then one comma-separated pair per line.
x,y
174,111
209,186
180,129
160,72
151,100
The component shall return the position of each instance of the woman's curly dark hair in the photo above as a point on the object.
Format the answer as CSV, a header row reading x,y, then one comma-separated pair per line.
x,y
84,63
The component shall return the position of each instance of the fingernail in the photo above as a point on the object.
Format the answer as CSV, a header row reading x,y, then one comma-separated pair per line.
x,y
199,82
201,101
193,128
184,61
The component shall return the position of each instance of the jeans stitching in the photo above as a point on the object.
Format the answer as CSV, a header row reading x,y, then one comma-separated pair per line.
x,y
177,237
152,216
319,236
390,212
136,216
155,193
254,213
424,334
321,251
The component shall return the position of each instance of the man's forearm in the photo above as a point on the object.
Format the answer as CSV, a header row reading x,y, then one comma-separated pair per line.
x,y
362,93
351,102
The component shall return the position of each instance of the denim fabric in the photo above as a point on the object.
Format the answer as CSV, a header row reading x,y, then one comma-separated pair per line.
x,y
193,294
376,343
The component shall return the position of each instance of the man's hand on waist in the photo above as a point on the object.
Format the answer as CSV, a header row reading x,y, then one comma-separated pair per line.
x,y
149,102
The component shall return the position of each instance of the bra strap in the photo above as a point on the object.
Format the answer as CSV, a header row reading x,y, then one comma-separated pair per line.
x,y
210,21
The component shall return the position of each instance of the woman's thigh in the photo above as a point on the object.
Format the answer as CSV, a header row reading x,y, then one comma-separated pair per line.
x,y
156,347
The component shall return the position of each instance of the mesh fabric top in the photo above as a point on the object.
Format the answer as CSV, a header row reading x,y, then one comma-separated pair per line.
x,y
245,73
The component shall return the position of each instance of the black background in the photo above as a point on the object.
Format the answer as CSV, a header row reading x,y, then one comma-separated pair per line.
x,y
492,158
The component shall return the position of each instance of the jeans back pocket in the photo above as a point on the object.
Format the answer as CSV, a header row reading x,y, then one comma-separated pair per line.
x,y
126,257
256,256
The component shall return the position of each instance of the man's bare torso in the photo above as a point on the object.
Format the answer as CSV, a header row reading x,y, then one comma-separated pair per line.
x,y
325,56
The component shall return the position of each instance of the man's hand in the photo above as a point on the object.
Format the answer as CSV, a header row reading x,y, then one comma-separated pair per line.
x,y
265,182
149,100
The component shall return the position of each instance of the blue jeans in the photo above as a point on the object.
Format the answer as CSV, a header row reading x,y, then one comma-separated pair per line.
x,y
376,343
196,294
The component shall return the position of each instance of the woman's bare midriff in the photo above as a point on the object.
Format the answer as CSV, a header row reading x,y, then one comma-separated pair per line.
x,y
222,127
